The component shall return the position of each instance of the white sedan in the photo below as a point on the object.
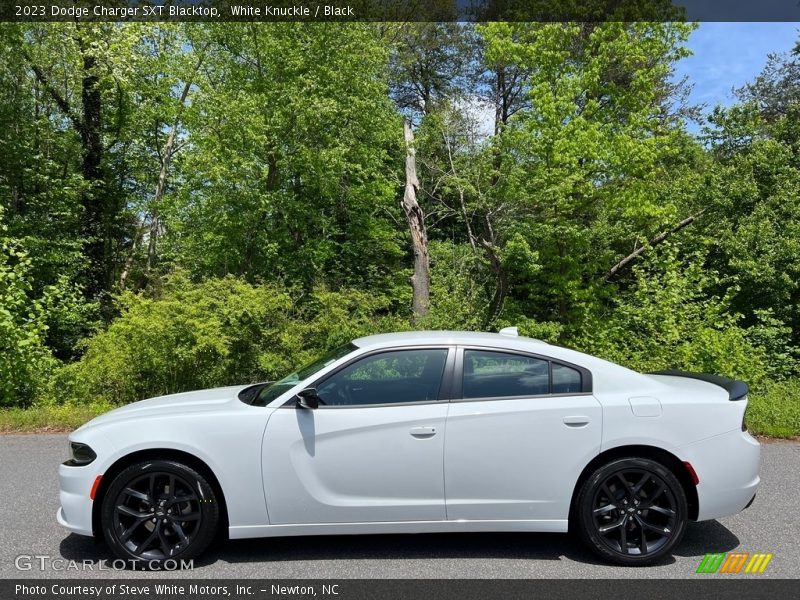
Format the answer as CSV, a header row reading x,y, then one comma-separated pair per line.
x,y
419,432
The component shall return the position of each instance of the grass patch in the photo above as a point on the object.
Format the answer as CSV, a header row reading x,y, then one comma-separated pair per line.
x,y
775,411
38,419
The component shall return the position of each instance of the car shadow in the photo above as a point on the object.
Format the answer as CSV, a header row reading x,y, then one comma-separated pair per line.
x,y
399,546
84,549
700,538
706,537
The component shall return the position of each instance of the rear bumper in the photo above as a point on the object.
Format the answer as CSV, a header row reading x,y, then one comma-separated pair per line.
x,y
727,467
75,513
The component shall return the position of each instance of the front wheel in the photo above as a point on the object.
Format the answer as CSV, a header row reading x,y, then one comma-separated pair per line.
x,y
632,511
158,511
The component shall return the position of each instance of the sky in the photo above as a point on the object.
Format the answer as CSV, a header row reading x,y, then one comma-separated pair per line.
x,y
728,55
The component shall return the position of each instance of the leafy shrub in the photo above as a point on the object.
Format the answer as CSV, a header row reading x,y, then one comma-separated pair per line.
x,y
69,317
670,320
459,298
775,410
24,360
218,332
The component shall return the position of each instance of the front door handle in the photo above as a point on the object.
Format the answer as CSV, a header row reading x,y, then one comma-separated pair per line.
x,y
423,432
576,421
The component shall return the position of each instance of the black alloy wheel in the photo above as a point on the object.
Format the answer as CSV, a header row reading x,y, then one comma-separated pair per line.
x,y
157,511
632,511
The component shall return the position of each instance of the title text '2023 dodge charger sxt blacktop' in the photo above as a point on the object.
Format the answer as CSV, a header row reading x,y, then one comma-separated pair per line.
x,y
419,432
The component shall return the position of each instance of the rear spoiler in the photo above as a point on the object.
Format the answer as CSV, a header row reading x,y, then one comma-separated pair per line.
x,y
736,389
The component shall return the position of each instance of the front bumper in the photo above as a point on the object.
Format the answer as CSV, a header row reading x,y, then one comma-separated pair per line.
x,y
727,467
75,513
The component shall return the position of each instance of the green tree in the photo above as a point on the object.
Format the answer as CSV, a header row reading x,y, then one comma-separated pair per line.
x,y
296,152
78,69
756,145
581,176
24,360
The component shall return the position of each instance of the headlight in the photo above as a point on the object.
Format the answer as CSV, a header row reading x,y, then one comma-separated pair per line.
x,y
80,455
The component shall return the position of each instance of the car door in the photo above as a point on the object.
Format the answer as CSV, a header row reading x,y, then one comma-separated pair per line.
x,y
519,431
372,451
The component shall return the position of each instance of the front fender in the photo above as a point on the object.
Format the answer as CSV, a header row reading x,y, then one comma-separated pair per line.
x,y
229,443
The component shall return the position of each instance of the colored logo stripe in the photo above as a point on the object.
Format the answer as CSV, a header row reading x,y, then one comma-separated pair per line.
x,y
735,562
758,563
710,563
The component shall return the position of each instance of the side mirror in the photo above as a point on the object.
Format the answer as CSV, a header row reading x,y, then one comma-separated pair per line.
x,y
308,398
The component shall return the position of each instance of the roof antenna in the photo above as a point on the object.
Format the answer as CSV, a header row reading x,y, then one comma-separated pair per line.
x,y
509,331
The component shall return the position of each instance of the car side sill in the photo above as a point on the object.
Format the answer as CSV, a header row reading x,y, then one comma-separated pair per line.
x,y
257,531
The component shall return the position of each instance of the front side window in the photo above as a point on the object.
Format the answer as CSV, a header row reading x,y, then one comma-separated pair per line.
x,y
391,377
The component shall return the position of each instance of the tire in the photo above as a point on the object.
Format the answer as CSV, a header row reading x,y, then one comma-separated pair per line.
x,y
631,511
158,511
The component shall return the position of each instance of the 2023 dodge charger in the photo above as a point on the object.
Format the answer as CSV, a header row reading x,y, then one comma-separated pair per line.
x,y
419,432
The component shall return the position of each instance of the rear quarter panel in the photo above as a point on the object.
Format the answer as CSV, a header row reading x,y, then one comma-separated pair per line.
x,y
690,411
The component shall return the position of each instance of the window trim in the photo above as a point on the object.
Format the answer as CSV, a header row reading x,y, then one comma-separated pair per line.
x,y
458,376
445,385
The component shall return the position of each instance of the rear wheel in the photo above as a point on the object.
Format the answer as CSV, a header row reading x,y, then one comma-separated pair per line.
x,y
158,511
632,511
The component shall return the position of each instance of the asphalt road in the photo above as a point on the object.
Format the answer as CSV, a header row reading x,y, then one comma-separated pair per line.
x,y
29,500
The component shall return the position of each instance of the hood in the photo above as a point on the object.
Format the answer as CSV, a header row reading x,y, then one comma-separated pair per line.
x,y
184,403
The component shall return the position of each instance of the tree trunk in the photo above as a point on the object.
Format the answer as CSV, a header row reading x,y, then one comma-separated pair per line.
x,y
501,283
252,236
166,159
161,186
502,112
128,266
421,279
97,223
500,103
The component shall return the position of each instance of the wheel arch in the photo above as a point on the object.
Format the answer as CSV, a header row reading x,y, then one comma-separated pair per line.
x,y
666,458
186,458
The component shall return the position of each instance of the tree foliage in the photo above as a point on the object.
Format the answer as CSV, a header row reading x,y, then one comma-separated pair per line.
x,y
219,332
186,205
24,358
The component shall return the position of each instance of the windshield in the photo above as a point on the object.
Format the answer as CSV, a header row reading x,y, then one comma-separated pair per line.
x,y
268,392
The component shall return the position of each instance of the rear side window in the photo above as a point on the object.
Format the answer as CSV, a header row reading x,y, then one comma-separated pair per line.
x,y
490,374
566,380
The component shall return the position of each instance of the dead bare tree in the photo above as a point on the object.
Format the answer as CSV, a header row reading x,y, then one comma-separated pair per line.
x,y
421,279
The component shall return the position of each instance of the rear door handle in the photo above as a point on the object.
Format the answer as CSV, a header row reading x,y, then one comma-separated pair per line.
x,y
423,432
576,421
